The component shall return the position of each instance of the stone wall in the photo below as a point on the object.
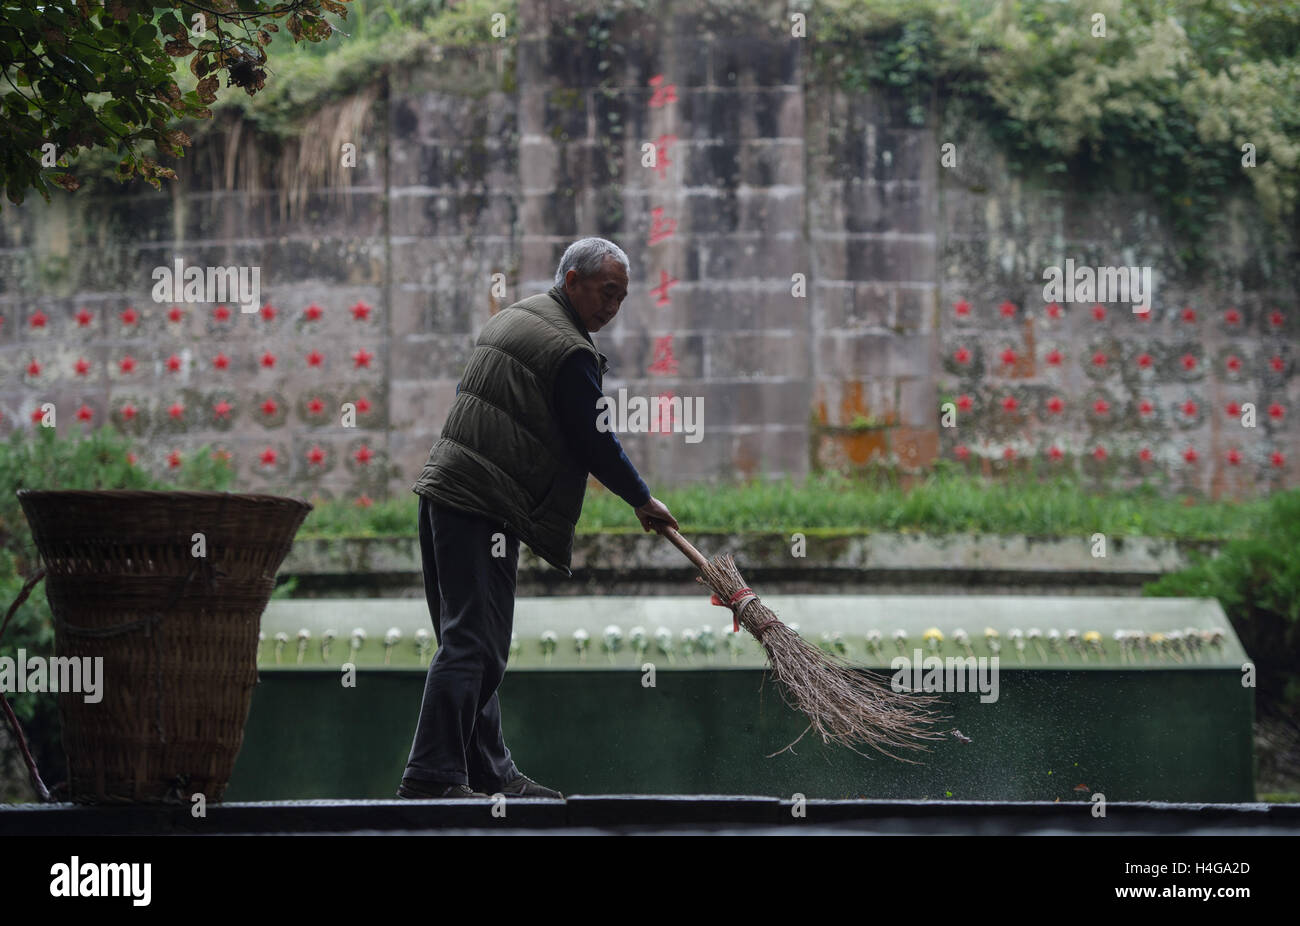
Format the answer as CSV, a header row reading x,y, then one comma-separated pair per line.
x,y
801,260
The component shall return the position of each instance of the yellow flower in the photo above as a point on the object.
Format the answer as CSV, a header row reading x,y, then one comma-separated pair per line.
x,y
1092,636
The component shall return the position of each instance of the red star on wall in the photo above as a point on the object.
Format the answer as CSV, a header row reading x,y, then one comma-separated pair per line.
x,y
1010,404
1275,318
268,360
1054,452
221,361
964,403
268,457
1190,408
1008,356
1190,455
173,460
1233,409
84,414
1276,411
222,409
84,318
1189,316
221,313
1100,453
1101,406
364,455
961,307
314,358
1277,364
268,312
1189,362
312,312
961,355
174,314
362,358
360,312
37,415
128,411
1007,309
38,319
1234,364
1054,358
1234,456
130,316
961,452
173,363
315,406
269,407
33,369
1099,359
316,456
1232,316
1053,311
1098,313
1145,361
363,406
176,410
1145,407
1055,404
1144,455
1277,459
82,366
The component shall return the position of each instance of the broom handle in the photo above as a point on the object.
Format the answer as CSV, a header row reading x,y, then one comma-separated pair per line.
x,y
681,543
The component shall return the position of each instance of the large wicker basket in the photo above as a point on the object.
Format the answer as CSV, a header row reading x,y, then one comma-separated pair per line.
x,y
177,632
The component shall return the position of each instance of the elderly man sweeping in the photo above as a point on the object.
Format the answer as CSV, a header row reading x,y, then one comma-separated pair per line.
x,y
511,465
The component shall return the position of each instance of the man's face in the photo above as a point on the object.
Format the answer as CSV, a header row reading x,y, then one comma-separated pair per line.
x,y
597,298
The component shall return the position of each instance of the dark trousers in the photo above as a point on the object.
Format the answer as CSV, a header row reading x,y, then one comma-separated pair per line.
x,y
471,596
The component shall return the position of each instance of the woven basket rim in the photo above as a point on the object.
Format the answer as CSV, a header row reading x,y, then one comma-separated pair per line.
x,y
178,494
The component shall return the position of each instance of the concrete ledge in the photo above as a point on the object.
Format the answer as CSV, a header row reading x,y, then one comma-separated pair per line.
x,y
653,813
885,563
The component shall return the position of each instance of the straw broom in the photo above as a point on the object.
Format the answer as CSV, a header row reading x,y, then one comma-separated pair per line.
x,y
844,705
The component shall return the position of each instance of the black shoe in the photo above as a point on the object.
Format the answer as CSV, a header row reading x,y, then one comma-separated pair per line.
x,y
413,789
523,786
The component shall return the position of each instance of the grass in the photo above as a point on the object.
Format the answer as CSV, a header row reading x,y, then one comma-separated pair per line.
x,y
943,503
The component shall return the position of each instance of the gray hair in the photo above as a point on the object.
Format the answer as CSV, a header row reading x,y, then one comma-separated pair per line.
x,y
587,256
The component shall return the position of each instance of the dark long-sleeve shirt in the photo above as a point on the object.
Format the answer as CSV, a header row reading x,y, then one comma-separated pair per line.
x,y
576,394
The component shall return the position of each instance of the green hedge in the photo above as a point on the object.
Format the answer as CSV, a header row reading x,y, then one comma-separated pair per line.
x,y
946,501
1257,580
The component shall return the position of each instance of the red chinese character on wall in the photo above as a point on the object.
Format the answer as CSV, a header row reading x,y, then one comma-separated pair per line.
x,y
661,291
664,93
661,229
664,423
662,144
664,363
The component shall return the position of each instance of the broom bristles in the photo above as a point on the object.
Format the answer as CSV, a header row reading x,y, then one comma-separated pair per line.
x,y
844,705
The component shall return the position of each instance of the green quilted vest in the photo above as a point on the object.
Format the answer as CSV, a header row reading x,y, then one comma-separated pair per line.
x,y
501,454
